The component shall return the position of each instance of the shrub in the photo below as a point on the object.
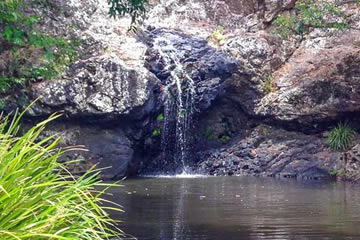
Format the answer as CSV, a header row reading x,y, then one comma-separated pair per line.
x,y
28,54
39,198
340,138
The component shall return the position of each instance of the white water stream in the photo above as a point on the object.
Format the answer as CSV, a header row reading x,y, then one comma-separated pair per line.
x,y
178,106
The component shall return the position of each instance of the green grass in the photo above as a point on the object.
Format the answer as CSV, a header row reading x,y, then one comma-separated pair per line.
x,y
39,198
340,138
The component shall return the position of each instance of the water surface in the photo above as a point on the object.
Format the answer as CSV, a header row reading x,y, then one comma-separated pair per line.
x,y
237,208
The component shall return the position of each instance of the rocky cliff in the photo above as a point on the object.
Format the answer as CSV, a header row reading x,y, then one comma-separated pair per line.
x,y
264,105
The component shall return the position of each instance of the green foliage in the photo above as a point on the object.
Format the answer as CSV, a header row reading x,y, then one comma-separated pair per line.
x,y
340,138
39,199
338,173
160,117
268,84
134,8
217,36
209,134
30,55
311,14
156,132
333,173
182,112
225,139
2,104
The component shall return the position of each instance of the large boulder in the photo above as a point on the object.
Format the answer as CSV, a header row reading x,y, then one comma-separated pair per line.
x,y
319,82
97,87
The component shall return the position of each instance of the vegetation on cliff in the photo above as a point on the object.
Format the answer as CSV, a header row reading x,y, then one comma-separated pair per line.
x,y
39,198
29,54
313,14
340,138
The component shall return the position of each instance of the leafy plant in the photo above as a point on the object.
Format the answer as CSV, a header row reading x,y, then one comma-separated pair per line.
x,y
39,198
2,104
156,132
268,84
160,117
217,36
135,8
333,173
29,55
209,134
225,139
340,138
182,112
312,14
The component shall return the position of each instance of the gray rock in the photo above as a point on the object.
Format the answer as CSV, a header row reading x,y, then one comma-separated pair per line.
x,y
108,148
276,153
97,87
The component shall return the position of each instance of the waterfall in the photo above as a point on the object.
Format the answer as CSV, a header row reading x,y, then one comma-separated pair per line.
x,y
179,94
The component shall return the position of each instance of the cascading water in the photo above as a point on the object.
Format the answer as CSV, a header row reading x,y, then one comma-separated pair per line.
x,y
179,94
192,74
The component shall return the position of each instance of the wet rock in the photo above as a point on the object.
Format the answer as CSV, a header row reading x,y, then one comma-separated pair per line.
x,y
108,148
276,153
206,66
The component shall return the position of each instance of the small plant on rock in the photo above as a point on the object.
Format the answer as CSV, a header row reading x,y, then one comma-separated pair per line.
x,y
217,36
209,134
311,15
268,84
156,132
224,139
340,138
160,117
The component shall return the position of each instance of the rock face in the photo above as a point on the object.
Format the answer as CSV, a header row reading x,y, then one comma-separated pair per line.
x,y
107,147
98,87
263,104
267,151
206,66
319,82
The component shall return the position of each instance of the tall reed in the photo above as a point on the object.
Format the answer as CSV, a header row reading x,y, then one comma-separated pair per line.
x,y
39,198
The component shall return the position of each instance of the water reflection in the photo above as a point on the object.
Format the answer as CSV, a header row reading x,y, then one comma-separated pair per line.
x,y
238,208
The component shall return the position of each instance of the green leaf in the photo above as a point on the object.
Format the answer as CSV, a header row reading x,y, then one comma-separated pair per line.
x,y
160,117
8,33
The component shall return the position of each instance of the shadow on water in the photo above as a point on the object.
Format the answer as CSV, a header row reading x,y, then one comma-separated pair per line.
x,y
236,208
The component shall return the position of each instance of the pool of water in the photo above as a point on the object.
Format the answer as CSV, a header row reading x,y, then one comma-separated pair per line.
x,y
237,208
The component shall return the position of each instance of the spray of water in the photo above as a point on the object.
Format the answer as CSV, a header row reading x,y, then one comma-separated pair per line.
x,y
179,94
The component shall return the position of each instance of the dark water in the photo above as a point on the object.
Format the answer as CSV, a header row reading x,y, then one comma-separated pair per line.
x,y
235,208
